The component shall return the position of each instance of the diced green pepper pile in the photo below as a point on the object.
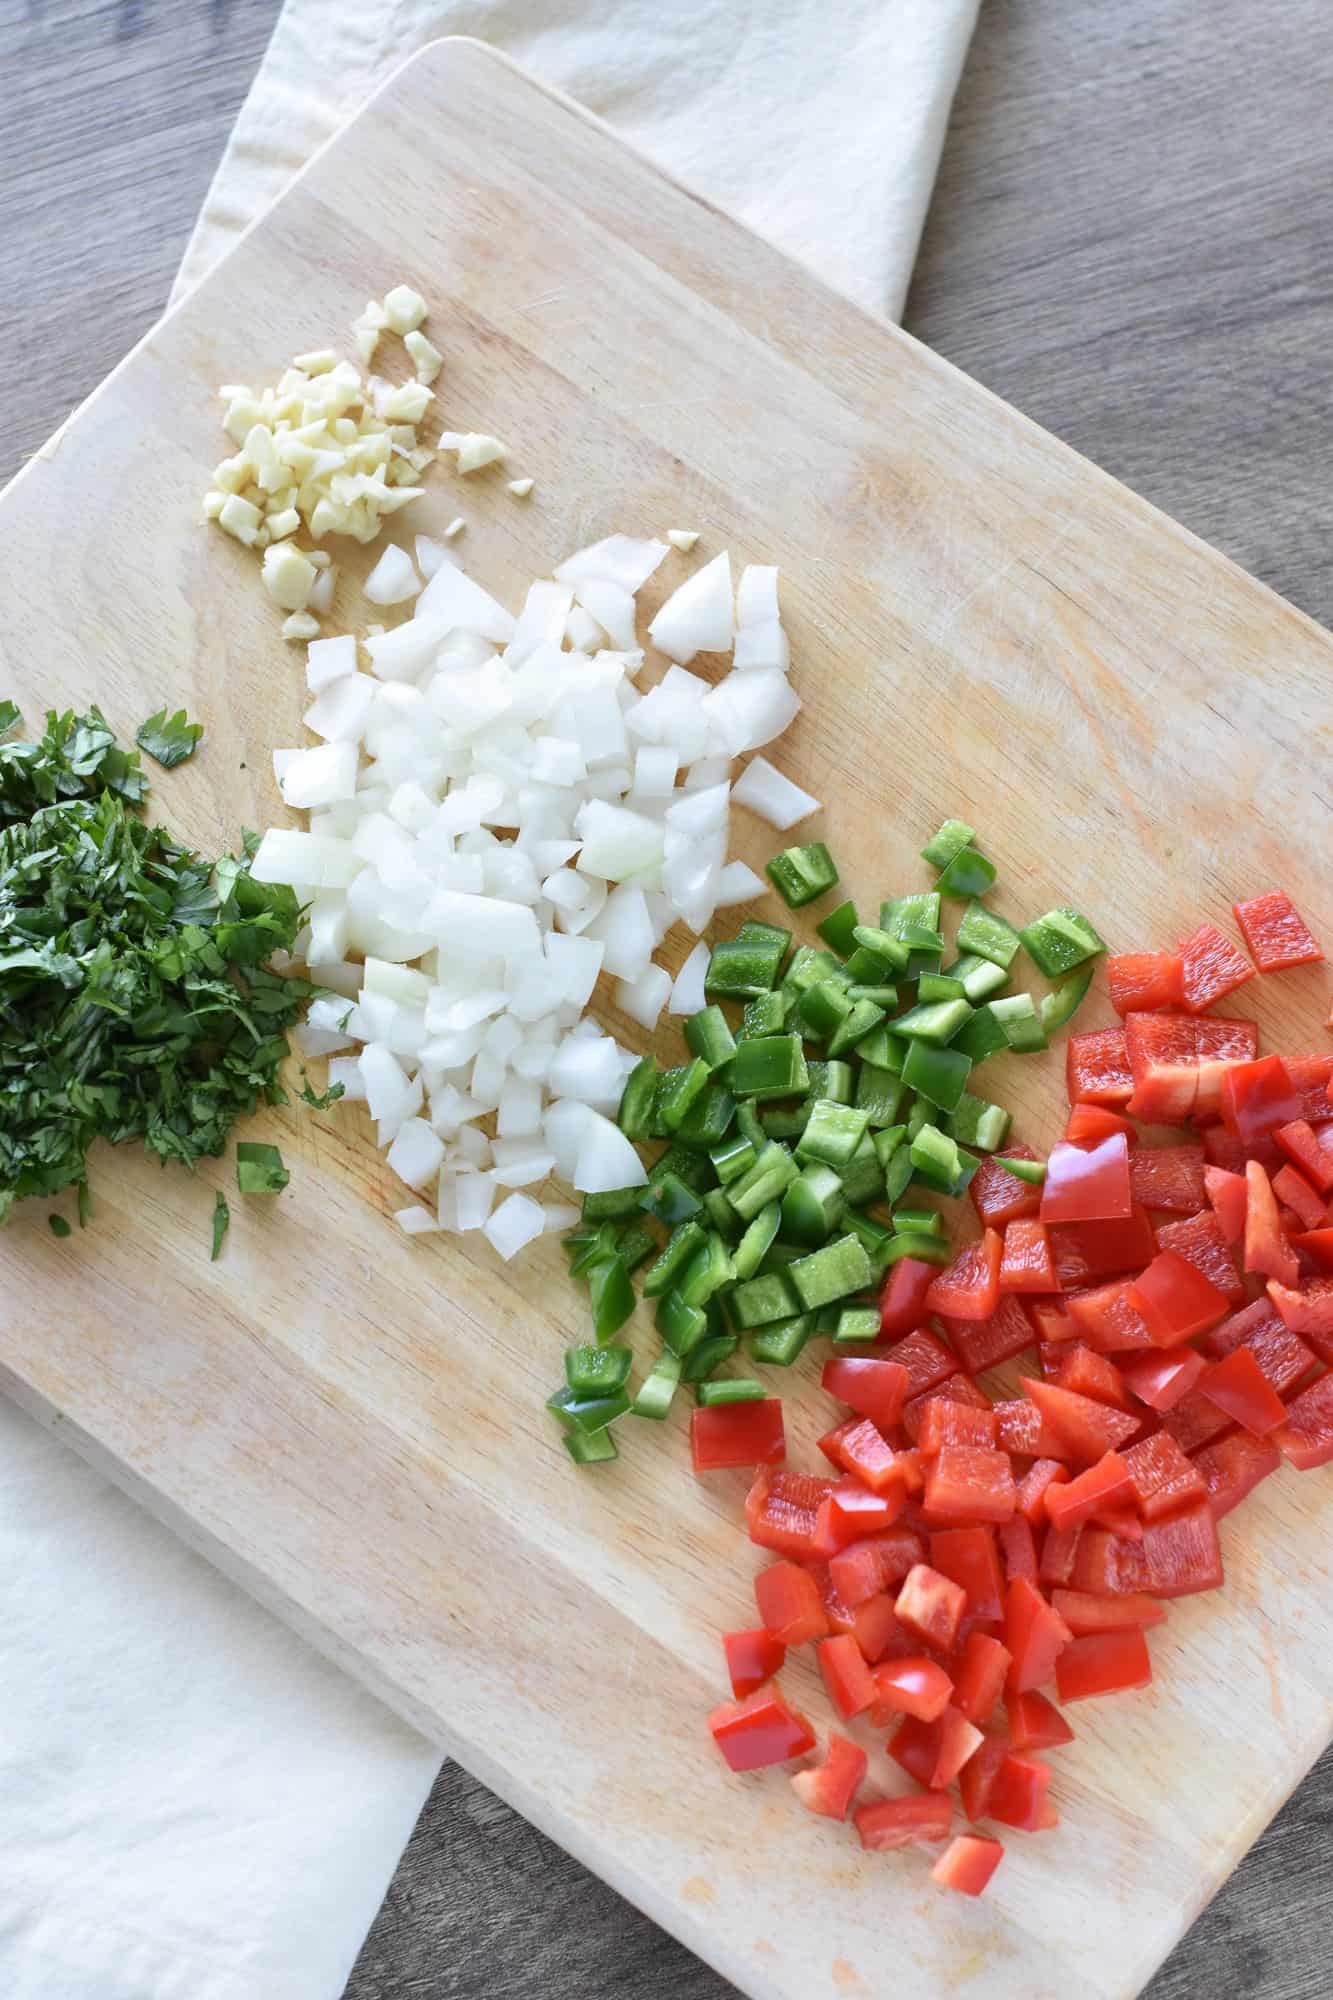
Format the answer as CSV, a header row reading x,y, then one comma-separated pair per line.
x,y
802,1131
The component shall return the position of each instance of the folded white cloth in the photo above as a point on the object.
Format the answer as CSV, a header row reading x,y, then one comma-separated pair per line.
x,y
193,1806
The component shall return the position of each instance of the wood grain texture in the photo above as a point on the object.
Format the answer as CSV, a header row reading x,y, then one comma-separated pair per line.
x,y
1030,153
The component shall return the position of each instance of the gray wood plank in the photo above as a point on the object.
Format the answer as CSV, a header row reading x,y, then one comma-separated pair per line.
x,y
1130,241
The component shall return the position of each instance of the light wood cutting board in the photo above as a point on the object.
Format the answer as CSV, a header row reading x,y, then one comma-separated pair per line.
x,y
351,1424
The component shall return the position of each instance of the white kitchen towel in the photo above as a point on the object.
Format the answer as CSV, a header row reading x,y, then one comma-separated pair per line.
x,y
193,1806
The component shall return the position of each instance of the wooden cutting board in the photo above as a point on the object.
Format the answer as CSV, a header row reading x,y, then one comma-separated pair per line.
x,y
351,1424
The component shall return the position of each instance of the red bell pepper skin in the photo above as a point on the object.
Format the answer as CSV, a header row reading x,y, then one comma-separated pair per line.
x,y
1182,1553
1242,1392
1163,1478
1169,1177
738,1434
1059,1547
980,1675
902,1303
1090,1374
957,1389
1162,1378
1034,1634
1089,1123
1212,968
1097,1067
781,1509
1104,1484
969,1288
932,1606
1109,1321
1276,934
790,1608
1306,1438
1193,1421
1222,1149
760,1730
1086,1251
923,1354
860,1448
752,1658
1087,1183
1103,1663
1199,1239
874,1388
969,1557
934,1752
1176,1299
1035,1723
1312,1076
1256,1097
969,1483
968,1863
1027,1264
1108,1565
878,1631
977,1777
1018,1793
912,1686
891,1823
1023,1432
846,1675
1222,1044
1162,1054
944,1422
1032,1488
852,1511
1266,1249
1083,1613
984,1343
1087,1428
1281,1354
1294,1192
1309,1312
830,1787
1227,1195
999,1196
1145,981
1317,1246
1306,1150
1018,1550
1233,1467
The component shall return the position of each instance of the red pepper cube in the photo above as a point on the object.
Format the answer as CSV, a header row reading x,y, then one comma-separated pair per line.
x,y
956,1389
985,1343
1163,1478
1059,1547
1309,1312
968,1863
1233,1467
969,1288
1256,1097
752,1658
762,1729
1084,1612
1182,1553
1108,1564
1276,934
1022,1431
830,1788
1312,1076
969,1483
912,1686
790,1607
1144,981
1193,1421
977,1777
1103,1663
781,1509
1162,1056
1027,1264
846,1675
1090,1122
1034,1634
1200,1240
934,1752
1104,1484
738,1434
1294,1192
1097,1067
931,1605
1241,1391
1176,1300
924,1355
1087,1183
1317,1246
873,1387
944,1422
1212,968
1035,1723
1108,1320
1169,1177
1282,1355
970,1558
1162,1378
860,1448
1087,1251
1090,1374
1304,1147
1266,1248
902,1303
892,1823
1018,1795
997,1195
1226,1194
1041,1474
1018,1550
979,1677
852,1510
1087,1428
1222,1045
1307,1436
878,1631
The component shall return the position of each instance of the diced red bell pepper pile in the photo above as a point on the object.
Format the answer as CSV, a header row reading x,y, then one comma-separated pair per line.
x,y
975,1560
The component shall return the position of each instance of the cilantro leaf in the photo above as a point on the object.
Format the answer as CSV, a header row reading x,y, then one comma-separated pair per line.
x,y
221,1224
170,739
10,713
319,1100
259,1168
58,1225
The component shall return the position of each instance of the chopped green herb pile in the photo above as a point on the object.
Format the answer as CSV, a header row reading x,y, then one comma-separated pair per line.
x,y
807,1141
133,999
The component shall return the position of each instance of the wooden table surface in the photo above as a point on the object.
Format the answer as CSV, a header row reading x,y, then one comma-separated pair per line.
x,y
1128,242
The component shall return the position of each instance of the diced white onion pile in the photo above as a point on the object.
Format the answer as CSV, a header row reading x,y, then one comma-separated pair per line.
x,y
497,817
